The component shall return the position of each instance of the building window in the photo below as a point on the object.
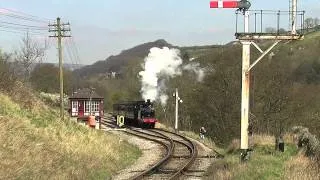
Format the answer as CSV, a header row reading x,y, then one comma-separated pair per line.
x,y
87,107
74,106
94,106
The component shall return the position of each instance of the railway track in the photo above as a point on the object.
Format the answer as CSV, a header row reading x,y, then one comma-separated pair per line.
x,y
180,154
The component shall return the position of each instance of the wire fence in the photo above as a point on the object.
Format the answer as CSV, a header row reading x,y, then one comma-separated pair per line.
x,y
270,22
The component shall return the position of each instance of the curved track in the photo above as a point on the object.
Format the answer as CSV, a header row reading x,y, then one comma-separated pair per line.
x,y
179,152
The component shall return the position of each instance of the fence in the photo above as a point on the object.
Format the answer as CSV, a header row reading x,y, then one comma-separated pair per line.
x,y
270,22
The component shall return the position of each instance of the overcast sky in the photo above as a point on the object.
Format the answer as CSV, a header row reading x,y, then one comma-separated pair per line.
x,y
102,28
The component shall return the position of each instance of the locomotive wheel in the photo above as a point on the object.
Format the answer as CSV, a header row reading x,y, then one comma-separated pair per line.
x,y
152,126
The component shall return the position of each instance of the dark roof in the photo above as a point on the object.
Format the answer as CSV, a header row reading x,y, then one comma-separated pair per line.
x,y
85,94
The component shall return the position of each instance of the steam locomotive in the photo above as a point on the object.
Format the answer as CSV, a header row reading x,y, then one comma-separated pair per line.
x,y
136,113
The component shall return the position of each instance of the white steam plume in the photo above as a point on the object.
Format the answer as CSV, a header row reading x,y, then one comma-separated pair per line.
x,y
159,62
195,67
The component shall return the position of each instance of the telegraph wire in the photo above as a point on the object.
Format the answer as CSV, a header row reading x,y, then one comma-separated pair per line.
x,y
21,32
24,25
70,44
26,14
75,50
22,17
22,28
68,50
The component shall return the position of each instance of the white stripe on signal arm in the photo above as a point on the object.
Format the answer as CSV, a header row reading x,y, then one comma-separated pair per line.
x,y
220,4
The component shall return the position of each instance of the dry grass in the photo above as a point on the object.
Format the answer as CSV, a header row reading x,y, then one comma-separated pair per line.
x,y
264,139
233,146
206,141
36,145
300,168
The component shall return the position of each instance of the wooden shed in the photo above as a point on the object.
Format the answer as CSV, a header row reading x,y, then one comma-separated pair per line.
x,y
86,101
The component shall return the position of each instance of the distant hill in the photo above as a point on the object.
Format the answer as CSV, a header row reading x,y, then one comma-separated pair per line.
x,y
116,63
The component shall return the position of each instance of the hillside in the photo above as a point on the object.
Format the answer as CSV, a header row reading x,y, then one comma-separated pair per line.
x,y
117,63
284,89
35,144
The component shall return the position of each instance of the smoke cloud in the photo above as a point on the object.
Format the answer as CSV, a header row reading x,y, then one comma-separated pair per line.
x,y
163,62
159,66
195,67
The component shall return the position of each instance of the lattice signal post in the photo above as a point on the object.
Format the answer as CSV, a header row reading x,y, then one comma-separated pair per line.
x,y
247,39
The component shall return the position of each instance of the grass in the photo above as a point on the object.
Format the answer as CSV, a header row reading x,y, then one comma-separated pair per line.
x,y
35,144
265,162
206,141
301,167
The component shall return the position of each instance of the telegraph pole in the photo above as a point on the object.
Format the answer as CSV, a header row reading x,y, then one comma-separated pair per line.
x,y
59,29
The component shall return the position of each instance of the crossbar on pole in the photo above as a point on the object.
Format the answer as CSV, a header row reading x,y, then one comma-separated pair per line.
x,y
263,54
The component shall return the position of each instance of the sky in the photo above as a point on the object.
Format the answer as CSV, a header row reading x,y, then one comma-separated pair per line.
x,y
101,28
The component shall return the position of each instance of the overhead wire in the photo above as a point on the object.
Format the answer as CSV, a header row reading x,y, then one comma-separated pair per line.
x,y
24,25
22,28
72,53
74,61
75,50
15,26
22,18
26,14
20,32
68,50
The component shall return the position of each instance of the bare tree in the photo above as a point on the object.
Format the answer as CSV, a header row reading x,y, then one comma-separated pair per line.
x,y
30,52
316,21
309,23
270,30
7,72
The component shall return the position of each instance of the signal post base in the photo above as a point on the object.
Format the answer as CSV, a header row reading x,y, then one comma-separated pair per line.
x,y
245,155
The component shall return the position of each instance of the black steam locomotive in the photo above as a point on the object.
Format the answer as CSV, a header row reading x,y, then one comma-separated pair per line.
x,y
136,113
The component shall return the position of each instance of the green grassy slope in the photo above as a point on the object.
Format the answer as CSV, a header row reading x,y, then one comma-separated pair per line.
x,y
35,144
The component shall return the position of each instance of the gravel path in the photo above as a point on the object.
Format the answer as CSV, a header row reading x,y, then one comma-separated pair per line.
x,y
151,154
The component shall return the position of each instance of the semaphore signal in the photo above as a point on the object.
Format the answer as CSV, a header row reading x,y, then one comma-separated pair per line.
x,y
243,4
247,39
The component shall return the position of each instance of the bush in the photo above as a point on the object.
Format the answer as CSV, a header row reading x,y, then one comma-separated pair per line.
x,y
53,99
309,142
